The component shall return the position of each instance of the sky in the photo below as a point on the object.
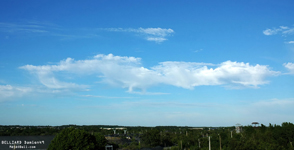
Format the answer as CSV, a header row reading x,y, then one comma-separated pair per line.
x,y
146,62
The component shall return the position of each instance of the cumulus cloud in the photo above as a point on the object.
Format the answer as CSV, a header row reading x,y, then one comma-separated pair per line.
x,y
151,34
290,67
282,29
187,74
8,91
128,72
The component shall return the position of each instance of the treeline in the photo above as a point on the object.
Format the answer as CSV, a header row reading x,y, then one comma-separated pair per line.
x,y
271,137
27,130
17,130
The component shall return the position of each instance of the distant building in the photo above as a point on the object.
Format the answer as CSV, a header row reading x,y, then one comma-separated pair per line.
x,y
238,128
196,128
109,147
255,123
129,137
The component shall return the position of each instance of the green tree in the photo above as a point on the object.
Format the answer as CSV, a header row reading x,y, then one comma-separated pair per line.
x,y
73,139
151,138
101,141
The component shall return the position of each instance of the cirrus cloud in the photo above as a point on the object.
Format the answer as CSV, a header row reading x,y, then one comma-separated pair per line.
x,y
282,29
150,34
8,91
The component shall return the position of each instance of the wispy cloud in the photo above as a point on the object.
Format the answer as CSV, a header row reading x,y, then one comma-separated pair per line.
x,y
73,36
108,97
282,29
12,92
199,50
151,34
148,93
146,103
46,77
157,35
156,39
45,29
31,28
290,67
275,102
8,91
127,72
290,42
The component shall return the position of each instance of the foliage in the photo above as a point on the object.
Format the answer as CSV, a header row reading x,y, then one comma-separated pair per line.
x,y
100,141
73,139
151,138
269,137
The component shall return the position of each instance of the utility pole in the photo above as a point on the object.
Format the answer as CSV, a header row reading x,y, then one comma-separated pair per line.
x,y
209,143
231,134
160,137
199,143
220,142
181,145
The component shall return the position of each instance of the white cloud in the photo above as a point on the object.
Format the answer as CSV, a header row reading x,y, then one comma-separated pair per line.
x,y
127,72
188,75
196,51
148,93
148,103
151,34
8,91
271,31
109,97
283,29
275,102
288,31
46,76
290,67
31,28
156,31
156,39
290,42
45,29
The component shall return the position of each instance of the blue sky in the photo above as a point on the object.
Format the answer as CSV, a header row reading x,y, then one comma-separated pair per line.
x,y
147,63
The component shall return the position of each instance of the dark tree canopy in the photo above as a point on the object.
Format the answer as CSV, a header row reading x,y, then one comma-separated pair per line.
x,y
152,138
75,139
101,141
